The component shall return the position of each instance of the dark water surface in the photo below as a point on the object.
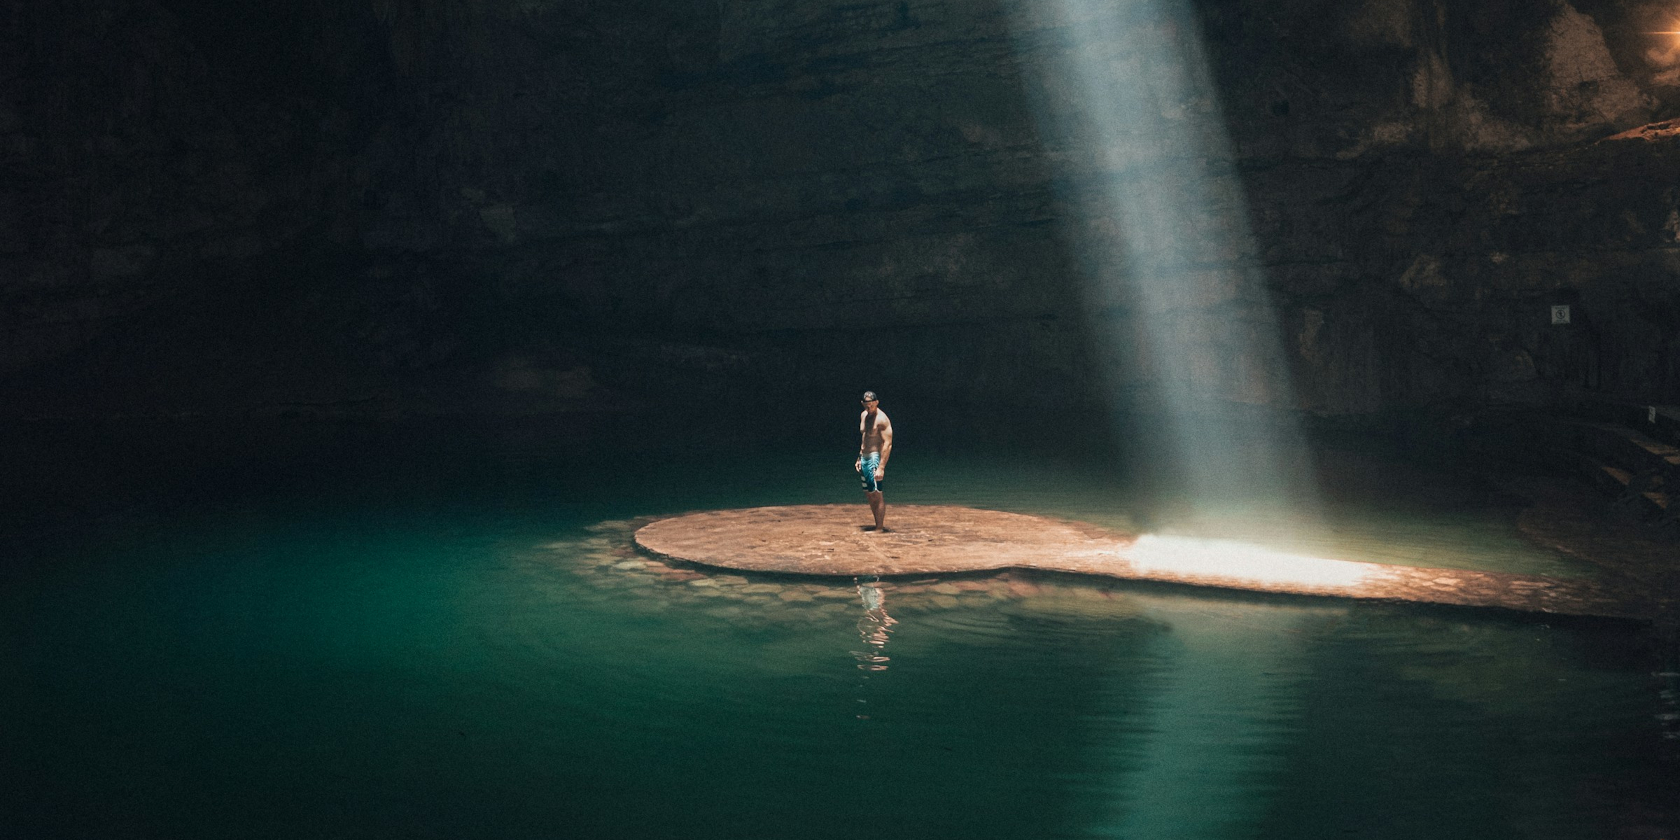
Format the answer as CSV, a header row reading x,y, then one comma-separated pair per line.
x,y
457,641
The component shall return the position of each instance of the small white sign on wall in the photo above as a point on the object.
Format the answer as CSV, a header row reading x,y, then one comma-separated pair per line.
x,y
1560,314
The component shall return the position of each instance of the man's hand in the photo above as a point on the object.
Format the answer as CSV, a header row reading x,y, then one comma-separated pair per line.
x,y
880,473
859,465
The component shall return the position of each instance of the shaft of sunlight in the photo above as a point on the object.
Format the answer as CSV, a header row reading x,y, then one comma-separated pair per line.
x,y
1133,122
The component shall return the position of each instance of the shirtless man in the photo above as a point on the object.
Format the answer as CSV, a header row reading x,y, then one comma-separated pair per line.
x,y
873,454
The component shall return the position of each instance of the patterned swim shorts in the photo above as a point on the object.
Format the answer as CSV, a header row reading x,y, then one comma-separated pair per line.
x,y
870,462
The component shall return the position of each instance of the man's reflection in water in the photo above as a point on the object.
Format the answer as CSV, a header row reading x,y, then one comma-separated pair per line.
x,y
874,628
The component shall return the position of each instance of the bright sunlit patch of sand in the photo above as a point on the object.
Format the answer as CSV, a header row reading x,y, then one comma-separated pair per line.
x,y
1189,557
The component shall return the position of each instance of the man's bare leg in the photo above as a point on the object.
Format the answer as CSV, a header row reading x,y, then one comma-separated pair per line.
x,y
878,506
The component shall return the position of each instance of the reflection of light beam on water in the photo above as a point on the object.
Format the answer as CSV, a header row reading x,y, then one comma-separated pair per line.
x,y
1161,234
1210,723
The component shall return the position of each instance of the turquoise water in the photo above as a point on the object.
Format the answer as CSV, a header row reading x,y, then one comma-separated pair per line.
x,y
473,650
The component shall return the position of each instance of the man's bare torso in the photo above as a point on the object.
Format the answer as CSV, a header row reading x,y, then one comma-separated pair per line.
x,y
874,426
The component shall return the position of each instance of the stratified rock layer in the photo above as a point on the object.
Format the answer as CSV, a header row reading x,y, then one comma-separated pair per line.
x,y
832,540
365,207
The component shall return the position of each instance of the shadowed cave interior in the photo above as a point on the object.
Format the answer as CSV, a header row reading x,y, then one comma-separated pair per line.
x,y
406,315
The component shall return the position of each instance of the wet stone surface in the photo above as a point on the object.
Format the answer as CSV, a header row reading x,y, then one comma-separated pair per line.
x,y
833,540
608,561
829,541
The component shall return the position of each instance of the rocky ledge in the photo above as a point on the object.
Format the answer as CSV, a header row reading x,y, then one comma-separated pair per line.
x,y
833,540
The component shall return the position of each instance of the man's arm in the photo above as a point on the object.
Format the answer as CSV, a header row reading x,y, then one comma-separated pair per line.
x,y
863,438
886,448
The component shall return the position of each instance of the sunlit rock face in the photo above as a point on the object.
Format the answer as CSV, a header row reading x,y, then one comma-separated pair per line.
x,y
522,205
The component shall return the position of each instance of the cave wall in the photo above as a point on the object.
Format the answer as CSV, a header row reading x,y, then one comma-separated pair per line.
x,y
533,205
